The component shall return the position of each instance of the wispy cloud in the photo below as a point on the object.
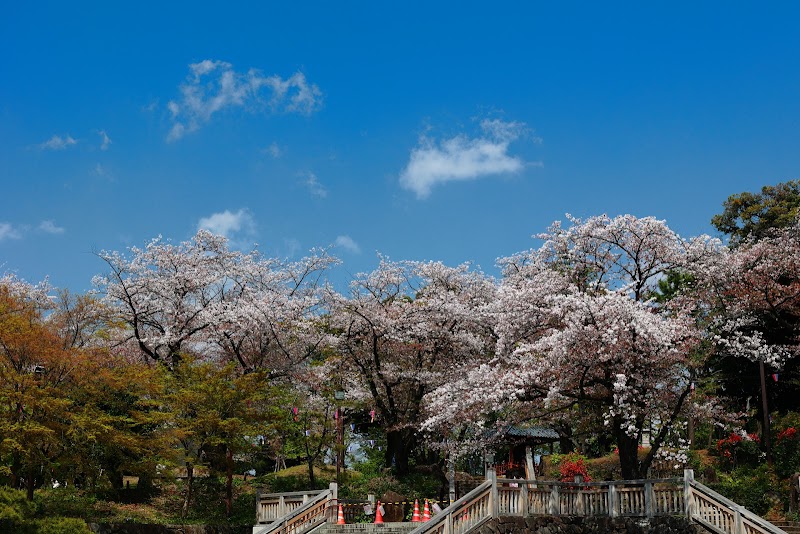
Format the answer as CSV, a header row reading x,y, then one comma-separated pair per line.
x,y
273,150
58,143
212,86
311,183
8,231
346,242
460,158
237,227
99,170
105,140
49,227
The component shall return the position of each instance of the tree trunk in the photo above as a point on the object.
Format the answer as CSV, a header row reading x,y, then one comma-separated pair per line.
x,y
628,454
399,444
311,480
565,442
188,496
29,483
15,470
228,482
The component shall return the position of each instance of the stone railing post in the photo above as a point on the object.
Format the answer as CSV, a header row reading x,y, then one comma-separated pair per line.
x,y
494,499
738,527
523,499
554,506
688,478
580,508
613,500
648,499
333,503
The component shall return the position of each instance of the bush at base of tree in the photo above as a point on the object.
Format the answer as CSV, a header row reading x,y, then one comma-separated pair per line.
x,y
61,525
738,450
17,514
755,489
787,452
15,509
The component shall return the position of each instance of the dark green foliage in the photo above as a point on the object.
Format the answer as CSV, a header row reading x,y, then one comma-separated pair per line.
x,y
18,515
61,525
752,216
68,502
209,492
15,510
786,450
753,488
736,450
675,283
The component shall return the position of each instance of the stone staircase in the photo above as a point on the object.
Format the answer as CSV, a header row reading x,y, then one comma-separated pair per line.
x,y
790,527
367,528
356,528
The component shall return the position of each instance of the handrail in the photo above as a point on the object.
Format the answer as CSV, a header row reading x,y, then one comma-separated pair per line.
x,y
272,506
302,519
613,498
456,518
498,497
292,493
720,514
542,482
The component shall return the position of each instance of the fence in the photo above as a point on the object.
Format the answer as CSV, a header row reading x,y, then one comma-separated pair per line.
x,y
300,512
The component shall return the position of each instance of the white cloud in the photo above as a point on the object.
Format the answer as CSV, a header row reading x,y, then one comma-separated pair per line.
x,y
312,184
462,158
100,170
105,140
273,150
228,224
49,227
213,86
346,242
8,231
58,143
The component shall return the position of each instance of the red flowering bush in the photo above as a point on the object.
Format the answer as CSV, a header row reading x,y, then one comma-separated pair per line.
x,y
573,465
787,452
738,449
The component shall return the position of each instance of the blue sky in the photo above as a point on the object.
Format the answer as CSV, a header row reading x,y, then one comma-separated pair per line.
x,y
422,130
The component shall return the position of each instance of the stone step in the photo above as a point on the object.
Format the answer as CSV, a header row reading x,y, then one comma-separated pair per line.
x,y
790,527
369,528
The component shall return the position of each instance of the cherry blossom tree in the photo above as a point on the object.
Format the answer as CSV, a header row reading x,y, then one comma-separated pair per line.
x,y
400,332
579,332
277,326
201,297
752,293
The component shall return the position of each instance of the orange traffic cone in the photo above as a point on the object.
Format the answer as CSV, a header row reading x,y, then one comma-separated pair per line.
x,y
426,512
415,518
341,516
378,514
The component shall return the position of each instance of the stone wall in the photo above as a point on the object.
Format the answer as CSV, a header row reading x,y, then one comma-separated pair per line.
x,y
587,525
135,528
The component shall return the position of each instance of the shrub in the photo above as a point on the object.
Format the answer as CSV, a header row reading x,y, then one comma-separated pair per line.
x,y
787,452
67,502
738,450
15,510
749,487
572,465
61,525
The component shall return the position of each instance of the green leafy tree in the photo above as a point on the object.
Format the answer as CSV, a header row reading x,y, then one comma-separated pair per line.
x,y
752,216
35,374
216,414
